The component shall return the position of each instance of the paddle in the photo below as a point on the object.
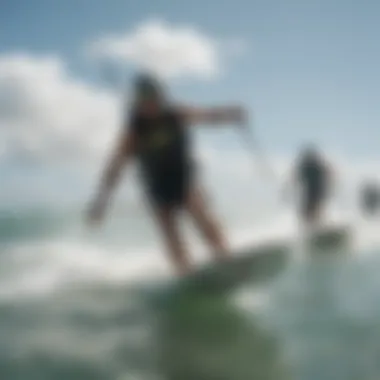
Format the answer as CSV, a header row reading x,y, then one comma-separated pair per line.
x,y
256,151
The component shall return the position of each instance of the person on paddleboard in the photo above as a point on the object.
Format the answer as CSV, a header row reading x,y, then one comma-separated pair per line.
x,y
156,134
370,198
314,175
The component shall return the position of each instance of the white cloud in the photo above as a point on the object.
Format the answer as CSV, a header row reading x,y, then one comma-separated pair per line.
x,y
168,50
46,114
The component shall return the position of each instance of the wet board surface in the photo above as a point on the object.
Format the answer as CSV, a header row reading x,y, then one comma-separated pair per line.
x,y
252,264
260,262
248,266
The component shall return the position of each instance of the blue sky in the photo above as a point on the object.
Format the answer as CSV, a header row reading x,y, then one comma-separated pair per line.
x,y
310,70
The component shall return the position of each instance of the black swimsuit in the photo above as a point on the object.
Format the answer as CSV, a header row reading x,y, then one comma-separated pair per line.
x,y
313,176
163,153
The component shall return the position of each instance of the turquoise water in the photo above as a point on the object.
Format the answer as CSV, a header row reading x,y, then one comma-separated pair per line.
x,y
72,309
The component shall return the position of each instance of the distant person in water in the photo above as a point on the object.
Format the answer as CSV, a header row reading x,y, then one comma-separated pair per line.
x,y
370,198
156,133
314,176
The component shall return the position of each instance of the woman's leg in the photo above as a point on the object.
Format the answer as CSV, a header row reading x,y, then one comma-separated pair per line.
x,y
202,216
167,221
312,211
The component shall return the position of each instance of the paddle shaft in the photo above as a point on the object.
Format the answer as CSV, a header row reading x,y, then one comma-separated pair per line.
x,y
256,151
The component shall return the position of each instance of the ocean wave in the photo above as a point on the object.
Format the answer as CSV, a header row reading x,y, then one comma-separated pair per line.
x,y
16,226
45,264
42,268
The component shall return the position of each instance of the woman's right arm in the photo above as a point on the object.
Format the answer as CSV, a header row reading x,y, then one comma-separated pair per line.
x,y
120,157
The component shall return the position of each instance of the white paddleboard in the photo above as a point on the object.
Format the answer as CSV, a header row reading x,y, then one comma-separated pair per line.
x,y
248,265
251,265
259,262
330,238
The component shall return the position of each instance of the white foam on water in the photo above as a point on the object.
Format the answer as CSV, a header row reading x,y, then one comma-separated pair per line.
x,y
40,268
44,267
285,228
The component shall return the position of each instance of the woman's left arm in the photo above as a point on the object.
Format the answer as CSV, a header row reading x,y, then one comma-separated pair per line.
x,y
214,115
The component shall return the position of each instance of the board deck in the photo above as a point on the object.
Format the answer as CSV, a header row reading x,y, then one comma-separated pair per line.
x,y
251,265
248,265
257,263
